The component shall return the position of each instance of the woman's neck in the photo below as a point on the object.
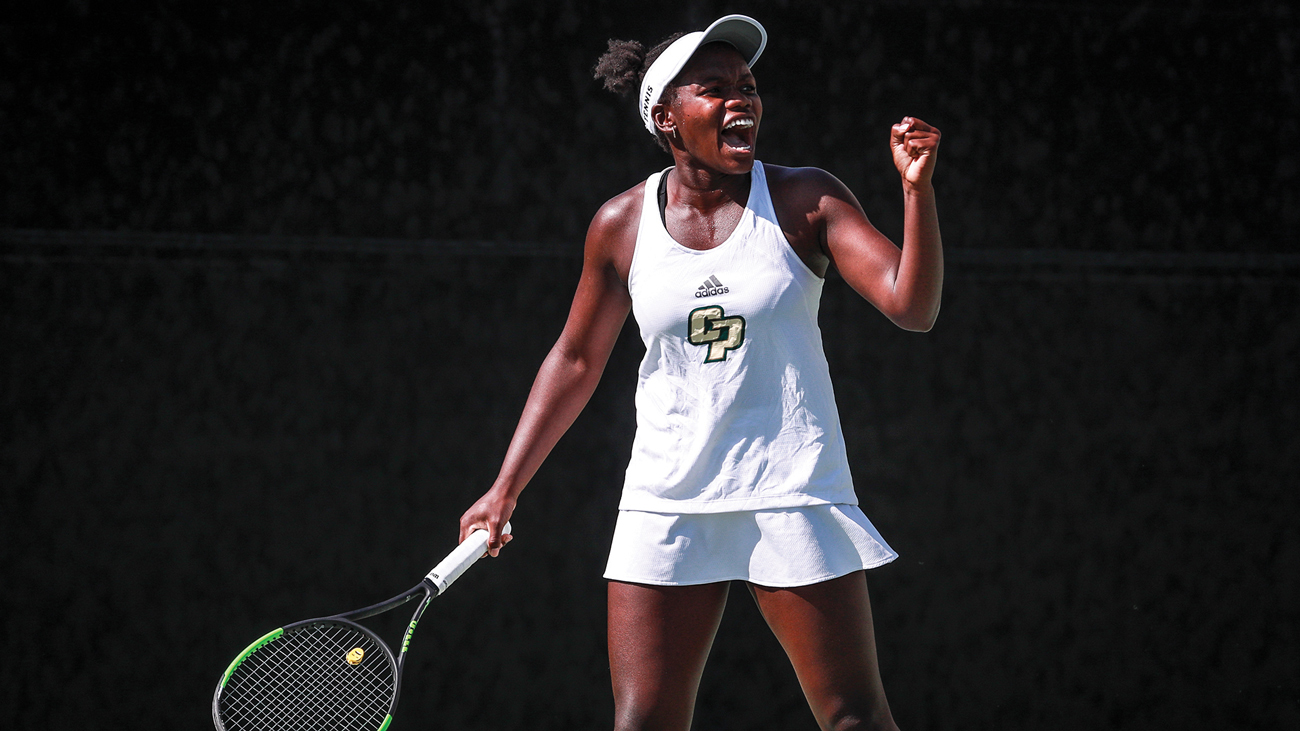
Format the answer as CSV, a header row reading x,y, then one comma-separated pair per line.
x,y
707,190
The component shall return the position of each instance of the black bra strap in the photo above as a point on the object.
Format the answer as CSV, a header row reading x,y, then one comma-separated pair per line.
x,y
663,198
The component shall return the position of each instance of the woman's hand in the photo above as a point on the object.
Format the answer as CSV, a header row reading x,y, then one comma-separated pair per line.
x,y
915,145
491,513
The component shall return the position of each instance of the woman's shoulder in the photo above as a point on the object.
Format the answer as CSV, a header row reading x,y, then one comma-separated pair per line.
x,y
802,182
612,234
801,198
807,194
619,217
621,211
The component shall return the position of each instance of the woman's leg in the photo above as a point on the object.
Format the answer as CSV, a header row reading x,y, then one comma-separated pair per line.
x,y
826,630
659,638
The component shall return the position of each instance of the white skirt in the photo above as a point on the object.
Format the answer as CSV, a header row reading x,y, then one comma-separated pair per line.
x,y
778,548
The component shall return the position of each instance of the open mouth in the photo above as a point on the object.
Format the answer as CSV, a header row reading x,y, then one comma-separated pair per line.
x,y
739,134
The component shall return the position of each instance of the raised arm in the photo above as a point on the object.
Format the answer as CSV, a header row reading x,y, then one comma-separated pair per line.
x,y
572,369
905,284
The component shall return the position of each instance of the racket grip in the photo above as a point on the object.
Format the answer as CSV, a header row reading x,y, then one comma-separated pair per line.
x,y
460,559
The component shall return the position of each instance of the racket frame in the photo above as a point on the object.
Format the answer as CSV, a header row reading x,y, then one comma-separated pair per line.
x,y
431,586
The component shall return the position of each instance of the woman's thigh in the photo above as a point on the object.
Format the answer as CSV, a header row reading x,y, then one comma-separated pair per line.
x,y
659,639
826,630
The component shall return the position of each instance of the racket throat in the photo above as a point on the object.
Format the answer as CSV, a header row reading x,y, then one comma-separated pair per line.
x,y
410,628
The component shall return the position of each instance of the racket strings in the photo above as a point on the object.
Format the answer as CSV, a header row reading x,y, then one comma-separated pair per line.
x,y
304,681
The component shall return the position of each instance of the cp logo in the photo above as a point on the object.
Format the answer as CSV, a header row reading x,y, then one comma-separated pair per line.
x,y
710,326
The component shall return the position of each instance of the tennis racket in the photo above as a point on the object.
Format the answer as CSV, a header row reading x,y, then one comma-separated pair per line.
x,y
330,673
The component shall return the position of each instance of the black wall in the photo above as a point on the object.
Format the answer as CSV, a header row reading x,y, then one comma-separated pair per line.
x,y
1073,124
1089,474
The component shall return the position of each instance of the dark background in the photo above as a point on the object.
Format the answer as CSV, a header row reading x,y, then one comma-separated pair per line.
x,y
275,282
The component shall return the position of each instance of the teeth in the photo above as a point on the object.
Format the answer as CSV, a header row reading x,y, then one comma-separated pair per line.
x,y
739,123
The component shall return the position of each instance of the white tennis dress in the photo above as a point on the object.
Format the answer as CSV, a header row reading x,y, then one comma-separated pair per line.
x,y
738,467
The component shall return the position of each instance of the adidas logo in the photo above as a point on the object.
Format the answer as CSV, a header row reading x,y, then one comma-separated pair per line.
x,y
711,287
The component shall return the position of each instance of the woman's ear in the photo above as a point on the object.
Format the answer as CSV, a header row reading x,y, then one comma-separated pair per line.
x,y
662,116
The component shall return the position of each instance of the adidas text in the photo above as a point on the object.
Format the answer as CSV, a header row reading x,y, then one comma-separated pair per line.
x,y
711,286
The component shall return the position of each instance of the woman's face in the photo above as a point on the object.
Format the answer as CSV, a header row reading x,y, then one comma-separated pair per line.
x,y
717,110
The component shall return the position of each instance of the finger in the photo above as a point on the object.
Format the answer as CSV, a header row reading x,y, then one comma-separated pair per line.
x,y
470,524
505,538
922,142
899,131
919,143
921,126
920,146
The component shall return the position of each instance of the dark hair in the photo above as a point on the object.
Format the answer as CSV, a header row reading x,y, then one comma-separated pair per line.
x,y
623,67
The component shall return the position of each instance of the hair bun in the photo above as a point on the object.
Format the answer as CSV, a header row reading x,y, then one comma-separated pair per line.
x,y
621,67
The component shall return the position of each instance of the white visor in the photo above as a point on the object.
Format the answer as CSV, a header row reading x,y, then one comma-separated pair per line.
x,y
741,31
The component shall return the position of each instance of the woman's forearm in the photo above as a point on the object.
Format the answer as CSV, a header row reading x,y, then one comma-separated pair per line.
x,y
563,387
919,281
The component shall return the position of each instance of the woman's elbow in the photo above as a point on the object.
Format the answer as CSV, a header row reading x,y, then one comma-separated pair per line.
x,y
920,326
916,321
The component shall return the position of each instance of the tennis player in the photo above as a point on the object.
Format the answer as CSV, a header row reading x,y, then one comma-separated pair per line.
x,y
738,468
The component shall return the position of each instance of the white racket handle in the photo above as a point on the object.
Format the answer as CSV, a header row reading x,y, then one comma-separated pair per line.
x,y
461,558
